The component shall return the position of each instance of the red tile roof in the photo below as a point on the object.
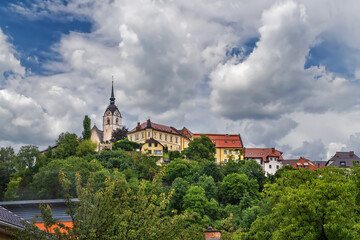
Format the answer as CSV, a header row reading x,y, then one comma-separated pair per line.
x,y
155,126
263,153
302,163
223,140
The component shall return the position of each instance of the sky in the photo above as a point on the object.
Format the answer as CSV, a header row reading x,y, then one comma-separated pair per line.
x,y
283,74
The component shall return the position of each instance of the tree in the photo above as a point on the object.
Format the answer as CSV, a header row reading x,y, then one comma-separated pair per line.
x,y
47,184
180,187
254,171
126,145
118,212
310,205
85,147
209,185
26,157
234,186
200,148
212,169
66,145
195,200
176,168
86,134
119,134
7,156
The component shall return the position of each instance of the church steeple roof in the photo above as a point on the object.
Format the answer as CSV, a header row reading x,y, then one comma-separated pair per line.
x,y
112,97
112,107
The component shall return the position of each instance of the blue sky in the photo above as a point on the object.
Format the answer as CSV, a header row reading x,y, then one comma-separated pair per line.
x,y
33,38
280,73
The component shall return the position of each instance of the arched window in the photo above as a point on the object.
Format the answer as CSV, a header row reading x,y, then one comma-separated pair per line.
x,y
117,121
108,121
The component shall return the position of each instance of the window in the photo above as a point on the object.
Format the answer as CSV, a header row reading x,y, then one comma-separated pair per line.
x,y
236,152
149,134
355,162
269,166
171,138
108,121
277,166
343,163
165,137
160,136
130,138
149,144
225,141
214,141
142,135
225,160
215,151
154,134
215,160
176,139
225,152
306,165
233,141
155,144
150,151
117,121
137,136
230,152
157,152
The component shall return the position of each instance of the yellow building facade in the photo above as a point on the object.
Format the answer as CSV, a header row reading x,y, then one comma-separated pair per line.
x,y
168,137
153,147
227,146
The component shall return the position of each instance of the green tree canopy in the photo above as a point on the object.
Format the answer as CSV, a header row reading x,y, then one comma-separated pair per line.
x,y
86,134
234,186
307,204
176,168
85,147
66,145
200,148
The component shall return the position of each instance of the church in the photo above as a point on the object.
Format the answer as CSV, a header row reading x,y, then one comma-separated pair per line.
x,y
112,120
155,138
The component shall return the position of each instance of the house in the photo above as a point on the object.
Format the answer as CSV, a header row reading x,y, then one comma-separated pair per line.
x,y
343,159
169,137
269,158
8,222
29,209
301,163
112,120
153,147
227,146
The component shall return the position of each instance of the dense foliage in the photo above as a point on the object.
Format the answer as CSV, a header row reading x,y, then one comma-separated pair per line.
x,y
126,195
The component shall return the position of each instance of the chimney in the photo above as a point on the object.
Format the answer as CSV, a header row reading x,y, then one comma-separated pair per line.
x,y
351,153
138,127
273,150
148,123
211,234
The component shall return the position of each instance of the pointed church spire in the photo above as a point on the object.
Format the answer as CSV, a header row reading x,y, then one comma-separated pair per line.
x,y
112,98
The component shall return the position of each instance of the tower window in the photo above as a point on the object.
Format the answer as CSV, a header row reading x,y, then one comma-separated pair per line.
x,y
117,121
108,120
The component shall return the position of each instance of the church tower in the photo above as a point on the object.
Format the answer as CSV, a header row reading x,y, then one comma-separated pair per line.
x,y
112,118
